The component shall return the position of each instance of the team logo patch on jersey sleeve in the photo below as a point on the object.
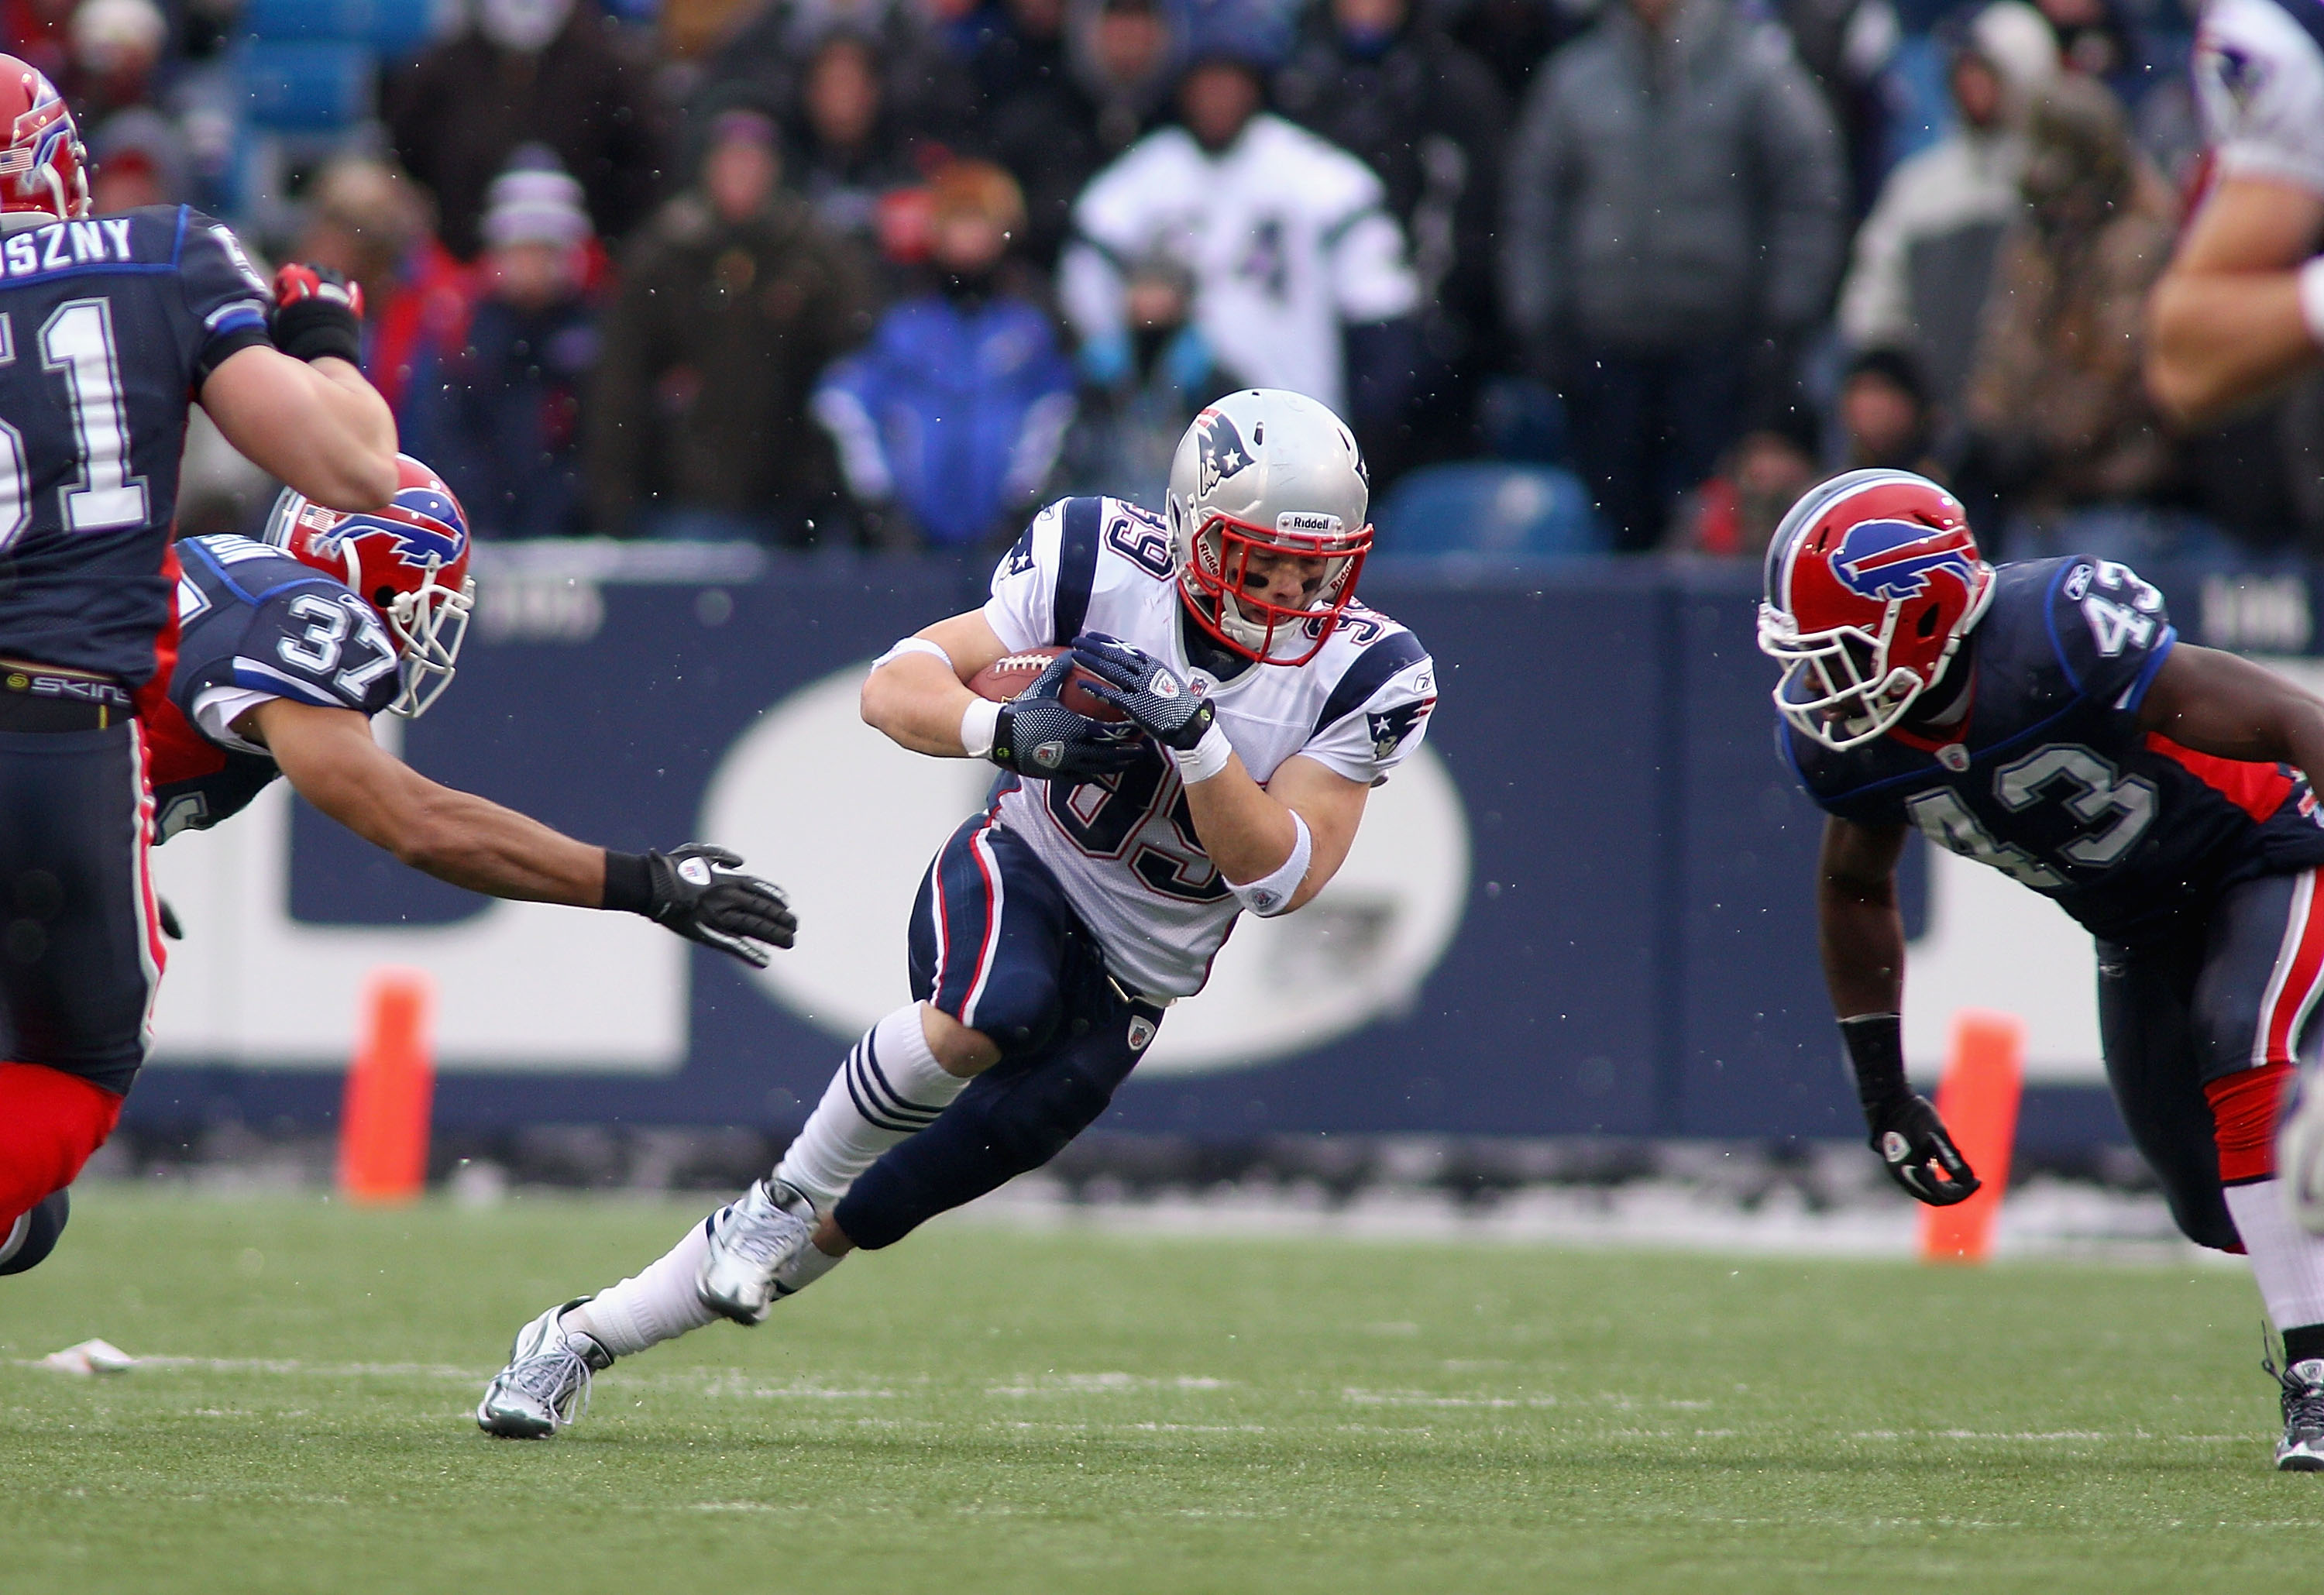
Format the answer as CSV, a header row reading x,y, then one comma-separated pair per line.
x,y
1389,727
1886,561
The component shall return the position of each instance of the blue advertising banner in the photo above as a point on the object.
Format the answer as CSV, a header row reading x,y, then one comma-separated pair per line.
x,y
1586,910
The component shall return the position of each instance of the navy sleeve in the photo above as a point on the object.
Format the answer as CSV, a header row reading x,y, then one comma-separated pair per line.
x,y
226,297
2111,631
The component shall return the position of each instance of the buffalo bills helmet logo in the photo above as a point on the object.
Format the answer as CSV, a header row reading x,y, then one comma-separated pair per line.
x,y
425,524
1222,450
1890,560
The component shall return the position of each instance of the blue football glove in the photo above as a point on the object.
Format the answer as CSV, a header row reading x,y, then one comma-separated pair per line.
x,y
1158,702
1039,736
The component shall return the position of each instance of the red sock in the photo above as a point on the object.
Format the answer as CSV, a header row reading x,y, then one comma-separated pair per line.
x,y
49,1123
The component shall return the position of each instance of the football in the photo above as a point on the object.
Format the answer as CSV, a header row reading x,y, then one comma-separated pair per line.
x,y
1011,674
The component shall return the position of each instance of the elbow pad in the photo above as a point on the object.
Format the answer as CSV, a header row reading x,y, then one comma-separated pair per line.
x,y
1272,896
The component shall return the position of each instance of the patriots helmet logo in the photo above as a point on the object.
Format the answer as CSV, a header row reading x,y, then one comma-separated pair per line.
x,y
1389,727
1223,452
1890,560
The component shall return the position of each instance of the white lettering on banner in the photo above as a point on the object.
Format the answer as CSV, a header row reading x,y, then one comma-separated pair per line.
x,y
520,986
847,822
1989,943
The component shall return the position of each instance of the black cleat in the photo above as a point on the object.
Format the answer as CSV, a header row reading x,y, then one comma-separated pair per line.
x,y
2301,1449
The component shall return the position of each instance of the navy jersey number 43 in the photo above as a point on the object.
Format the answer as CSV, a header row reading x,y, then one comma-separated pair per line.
x,y
2049,776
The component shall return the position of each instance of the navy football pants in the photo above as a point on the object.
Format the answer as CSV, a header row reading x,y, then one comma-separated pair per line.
x,y
2185,1019
80,949
995,944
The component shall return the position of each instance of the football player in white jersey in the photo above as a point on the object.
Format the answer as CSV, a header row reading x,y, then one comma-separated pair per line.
x,y
1053,930
2240,312
2241,309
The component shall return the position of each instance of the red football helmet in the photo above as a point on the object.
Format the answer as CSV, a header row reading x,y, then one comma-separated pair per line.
x,y
42,164
409,559
1872,581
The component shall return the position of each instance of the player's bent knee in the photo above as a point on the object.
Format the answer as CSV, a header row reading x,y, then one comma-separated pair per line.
x,y
34,1234
1016,1015
958,1050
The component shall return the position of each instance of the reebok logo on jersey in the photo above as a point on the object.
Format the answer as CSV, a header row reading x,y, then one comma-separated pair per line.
x,y
1888,560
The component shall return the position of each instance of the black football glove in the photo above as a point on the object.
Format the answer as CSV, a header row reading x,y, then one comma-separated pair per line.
x,y
1037,735
1913,1145
1156,700
698,891
316,312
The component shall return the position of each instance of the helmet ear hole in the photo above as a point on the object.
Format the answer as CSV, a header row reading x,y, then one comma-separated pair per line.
x,y
1928,626
382,596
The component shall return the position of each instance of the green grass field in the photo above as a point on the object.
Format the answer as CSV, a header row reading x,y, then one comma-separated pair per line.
x,y
981,1410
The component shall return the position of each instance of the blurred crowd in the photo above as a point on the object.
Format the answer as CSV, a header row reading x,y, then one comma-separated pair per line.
x,y
888,272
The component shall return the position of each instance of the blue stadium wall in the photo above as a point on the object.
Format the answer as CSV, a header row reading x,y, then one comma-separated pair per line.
x,y
1634,957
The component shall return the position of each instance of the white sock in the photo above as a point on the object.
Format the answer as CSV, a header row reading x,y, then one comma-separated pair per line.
x,y
657,1304
2286,1261
890,1087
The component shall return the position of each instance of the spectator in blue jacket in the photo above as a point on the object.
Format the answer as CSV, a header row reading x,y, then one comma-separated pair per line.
x,y
499,415
949,421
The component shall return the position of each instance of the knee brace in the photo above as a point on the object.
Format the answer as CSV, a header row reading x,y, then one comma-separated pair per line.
x,y
998,1129
35,1235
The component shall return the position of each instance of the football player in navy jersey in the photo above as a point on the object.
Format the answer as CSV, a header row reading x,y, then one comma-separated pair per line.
x,y
2044,718
286,649
1262,703
109,327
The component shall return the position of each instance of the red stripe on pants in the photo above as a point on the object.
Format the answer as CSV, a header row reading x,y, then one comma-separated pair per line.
x,y
2244,1106
49,1123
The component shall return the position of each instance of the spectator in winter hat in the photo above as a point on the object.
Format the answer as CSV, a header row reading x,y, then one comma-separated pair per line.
x,y
499,414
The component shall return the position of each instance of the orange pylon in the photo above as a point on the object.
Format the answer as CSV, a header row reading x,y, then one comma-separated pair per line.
x,y
390,1088
1978,1100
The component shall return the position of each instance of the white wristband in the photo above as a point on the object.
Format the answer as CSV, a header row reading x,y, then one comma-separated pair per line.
x,y
914,645
1205,758
2311,299
1273,895
978,725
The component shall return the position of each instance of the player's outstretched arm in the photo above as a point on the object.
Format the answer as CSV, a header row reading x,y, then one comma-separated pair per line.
x,y
1862,937
2231,708
319,426
330,758
2225,323
917,698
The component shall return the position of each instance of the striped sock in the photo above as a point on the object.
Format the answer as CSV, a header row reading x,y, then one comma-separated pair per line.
x,y
890,1087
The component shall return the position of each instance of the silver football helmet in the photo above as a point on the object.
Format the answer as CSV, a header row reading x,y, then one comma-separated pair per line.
x,y
1269,472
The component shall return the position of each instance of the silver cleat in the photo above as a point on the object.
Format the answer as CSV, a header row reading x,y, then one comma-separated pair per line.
x,y
546,1384
750,1240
